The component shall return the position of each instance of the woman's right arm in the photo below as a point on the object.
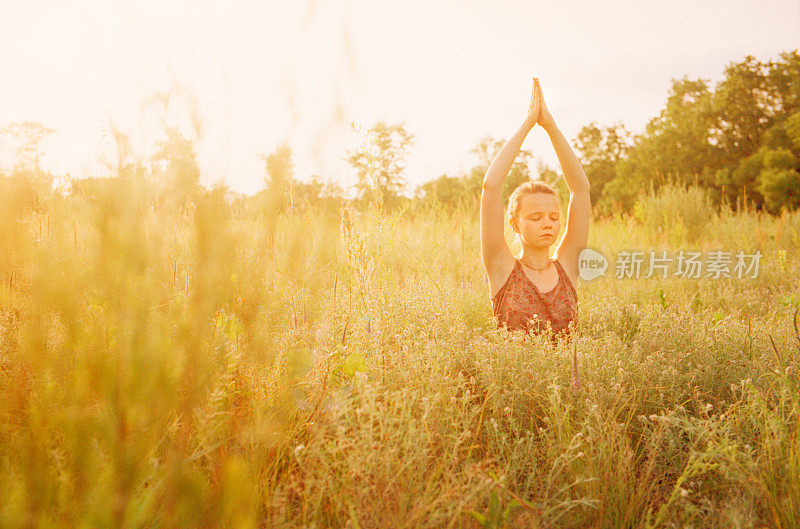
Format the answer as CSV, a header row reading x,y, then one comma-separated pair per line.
x,y
495,253
494,250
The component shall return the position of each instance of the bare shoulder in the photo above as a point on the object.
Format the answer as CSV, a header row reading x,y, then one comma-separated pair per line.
x,y
570,266
499,272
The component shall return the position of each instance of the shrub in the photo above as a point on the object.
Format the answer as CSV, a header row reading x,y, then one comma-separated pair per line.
x,y
675,210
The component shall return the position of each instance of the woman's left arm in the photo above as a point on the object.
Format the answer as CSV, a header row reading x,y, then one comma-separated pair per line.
x,y
579,213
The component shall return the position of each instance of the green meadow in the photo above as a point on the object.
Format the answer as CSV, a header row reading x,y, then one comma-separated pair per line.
x,y
218,364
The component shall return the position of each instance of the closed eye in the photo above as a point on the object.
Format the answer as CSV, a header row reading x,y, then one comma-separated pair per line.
x,y
538,217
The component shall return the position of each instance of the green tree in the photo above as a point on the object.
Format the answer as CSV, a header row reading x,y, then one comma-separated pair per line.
x,y
27,135
279,178
176,164
745,107
28,182
464,189
783,81
380,161
792,126
779,180
679,146
327,196
601,149
719,139
448,191
485,151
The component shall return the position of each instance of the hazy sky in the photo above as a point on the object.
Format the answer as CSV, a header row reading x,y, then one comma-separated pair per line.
x,y
247,75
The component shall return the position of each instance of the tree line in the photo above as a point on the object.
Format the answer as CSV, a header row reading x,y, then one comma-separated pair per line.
x,y
738,141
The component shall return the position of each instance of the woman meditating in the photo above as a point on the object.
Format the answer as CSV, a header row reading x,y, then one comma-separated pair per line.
x,y
532,291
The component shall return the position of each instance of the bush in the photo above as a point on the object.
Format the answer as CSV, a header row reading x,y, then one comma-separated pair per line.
x,y
675,210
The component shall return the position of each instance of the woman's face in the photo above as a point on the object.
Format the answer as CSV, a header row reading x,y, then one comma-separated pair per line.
x,y
538,220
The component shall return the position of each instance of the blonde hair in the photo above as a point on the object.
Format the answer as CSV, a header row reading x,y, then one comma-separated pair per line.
x,y
528,188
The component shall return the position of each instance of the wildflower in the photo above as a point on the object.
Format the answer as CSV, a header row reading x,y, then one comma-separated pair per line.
x,y
580,454
709,406
684,492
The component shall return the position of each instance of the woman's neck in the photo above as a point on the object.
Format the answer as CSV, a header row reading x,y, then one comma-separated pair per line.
x,y
535,258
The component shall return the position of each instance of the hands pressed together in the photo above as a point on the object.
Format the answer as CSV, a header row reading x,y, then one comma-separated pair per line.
x,y
538,112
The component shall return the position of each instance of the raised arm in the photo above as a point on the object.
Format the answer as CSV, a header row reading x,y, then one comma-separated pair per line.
x,y
579,213
495,253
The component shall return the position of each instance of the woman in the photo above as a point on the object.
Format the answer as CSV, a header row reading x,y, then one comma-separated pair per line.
x,y
532,291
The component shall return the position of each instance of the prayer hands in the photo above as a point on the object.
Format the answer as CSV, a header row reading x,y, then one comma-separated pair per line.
x,y
545,119
538,111
533,109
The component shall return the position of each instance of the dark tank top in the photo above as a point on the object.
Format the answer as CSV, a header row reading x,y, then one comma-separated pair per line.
x,y
520,305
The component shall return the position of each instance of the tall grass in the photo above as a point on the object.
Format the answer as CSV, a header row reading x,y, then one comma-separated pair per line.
x,y
219,366
675,213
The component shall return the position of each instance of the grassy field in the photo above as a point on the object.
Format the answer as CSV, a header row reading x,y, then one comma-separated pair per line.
x,y
217,366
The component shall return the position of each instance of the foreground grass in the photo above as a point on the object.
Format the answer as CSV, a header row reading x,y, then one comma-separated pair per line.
x,y
217,367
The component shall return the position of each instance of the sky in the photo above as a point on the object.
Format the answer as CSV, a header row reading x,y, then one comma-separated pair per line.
x,y
242,77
